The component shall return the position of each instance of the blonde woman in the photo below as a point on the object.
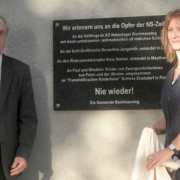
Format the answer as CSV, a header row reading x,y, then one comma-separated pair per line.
x,y
169,124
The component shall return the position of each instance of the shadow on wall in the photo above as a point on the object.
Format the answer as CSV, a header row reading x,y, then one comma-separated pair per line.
x,y
39,166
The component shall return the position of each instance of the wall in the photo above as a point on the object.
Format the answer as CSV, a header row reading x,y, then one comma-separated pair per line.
x,y
75,145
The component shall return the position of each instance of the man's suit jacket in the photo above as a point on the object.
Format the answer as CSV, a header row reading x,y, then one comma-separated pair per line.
x,y
18,119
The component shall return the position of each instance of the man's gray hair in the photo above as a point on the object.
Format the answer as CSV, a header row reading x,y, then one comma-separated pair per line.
x,y
5,22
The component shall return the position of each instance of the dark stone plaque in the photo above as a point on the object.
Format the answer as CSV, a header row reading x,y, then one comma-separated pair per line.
x,y
108,64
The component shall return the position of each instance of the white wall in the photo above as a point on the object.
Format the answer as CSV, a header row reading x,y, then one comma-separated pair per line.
x,y
75,145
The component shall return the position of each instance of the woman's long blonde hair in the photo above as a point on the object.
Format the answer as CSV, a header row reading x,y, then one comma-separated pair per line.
x,y
168,50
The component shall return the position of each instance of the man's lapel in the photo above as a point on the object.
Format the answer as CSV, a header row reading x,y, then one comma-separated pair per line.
x,y
6,77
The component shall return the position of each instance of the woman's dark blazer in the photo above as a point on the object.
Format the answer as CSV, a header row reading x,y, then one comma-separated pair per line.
x,y
170,102
18,119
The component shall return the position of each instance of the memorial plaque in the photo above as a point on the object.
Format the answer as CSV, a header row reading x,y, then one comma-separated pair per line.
x,y
108,64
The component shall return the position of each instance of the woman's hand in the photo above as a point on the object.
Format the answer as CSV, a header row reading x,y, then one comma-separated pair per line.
x,y
157,158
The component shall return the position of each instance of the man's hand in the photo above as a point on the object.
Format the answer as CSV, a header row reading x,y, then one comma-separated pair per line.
x,y
18,166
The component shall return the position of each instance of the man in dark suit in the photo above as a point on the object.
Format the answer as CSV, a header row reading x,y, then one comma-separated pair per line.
x,y
18,119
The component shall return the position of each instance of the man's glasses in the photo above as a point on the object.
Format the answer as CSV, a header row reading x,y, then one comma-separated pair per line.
x,y
2,33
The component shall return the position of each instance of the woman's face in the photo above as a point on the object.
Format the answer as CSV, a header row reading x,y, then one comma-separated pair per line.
x,y
174,33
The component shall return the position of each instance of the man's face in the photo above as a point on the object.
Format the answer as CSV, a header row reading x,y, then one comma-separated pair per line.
x,y
3,35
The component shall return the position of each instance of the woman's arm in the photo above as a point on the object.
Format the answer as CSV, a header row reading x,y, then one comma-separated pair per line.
x,y
176,142
160,126
157,158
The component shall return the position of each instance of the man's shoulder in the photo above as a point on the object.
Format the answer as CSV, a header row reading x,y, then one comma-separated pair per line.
x,y
15,62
